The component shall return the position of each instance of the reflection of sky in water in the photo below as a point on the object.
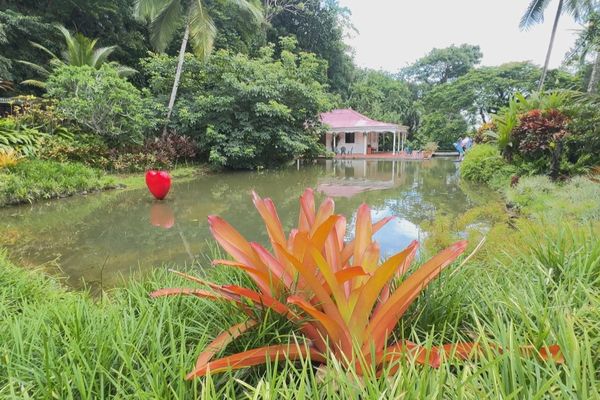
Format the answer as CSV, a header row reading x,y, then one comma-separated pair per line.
x,y
101,237
394,236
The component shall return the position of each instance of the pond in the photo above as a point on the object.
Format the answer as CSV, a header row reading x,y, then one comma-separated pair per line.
x,y
98,239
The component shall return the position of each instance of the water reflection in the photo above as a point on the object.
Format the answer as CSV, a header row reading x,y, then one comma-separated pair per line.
x,y
103,236
162,215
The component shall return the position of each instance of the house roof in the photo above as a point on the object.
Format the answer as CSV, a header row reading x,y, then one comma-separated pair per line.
x,y
348,120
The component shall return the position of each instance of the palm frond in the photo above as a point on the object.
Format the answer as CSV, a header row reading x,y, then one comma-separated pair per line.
x,y
581,9
534,14
34,83
147,10
100,56
44,49
38,68
123,70
202,29
253,8
165,24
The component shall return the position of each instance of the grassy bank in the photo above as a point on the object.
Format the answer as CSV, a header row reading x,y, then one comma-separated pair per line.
x,y
179,173
33,180
58,344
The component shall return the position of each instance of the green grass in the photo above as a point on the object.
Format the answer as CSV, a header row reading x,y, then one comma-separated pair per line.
x,y
577,199
137,180
32,180
59,344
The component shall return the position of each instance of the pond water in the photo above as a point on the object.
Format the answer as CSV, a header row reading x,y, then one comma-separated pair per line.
x,y
98,239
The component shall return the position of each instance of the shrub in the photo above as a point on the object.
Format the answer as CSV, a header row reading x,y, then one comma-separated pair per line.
x,y
582,146
20,139
160,152
248,112
85,148
482,136
483,163
8,158
101,102
36,179
430,147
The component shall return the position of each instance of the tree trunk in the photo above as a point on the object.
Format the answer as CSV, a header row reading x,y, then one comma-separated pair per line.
x,y
595,77
186,36
551,45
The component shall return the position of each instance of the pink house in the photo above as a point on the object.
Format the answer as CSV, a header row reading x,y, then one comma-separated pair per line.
x,y
352,132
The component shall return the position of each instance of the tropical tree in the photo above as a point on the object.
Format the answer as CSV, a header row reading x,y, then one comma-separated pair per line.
x,y
534,14
440,66
80,51
167,16
588,43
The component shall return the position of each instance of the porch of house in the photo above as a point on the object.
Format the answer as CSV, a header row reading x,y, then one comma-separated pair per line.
x,y
401,155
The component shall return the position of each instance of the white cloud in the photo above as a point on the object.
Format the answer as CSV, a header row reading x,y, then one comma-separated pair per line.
x,y
395,33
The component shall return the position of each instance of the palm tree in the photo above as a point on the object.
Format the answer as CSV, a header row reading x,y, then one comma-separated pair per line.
x,y
79,51
167,16
578,9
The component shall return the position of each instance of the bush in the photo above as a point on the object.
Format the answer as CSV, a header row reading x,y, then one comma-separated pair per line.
x,y
87,149
20,139
248,112
33,180
539,137
483,163
101,102
482,136
161,152
582,146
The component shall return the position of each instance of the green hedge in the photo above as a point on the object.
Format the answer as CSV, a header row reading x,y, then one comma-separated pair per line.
x,y
483,163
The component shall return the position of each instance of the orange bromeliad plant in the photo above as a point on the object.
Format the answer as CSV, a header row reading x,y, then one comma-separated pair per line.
x,y
337,292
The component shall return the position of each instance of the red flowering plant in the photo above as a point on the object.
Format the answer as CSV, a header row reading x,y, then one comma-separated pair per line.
x,y
540,135
345,302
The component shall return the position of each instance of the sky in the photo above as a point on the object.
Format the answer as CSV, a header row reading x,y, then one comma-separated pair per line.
x,y
395,33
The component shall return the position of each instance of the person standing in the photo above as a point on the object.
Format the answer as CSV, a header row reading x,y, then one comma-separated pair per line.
x,y
459,147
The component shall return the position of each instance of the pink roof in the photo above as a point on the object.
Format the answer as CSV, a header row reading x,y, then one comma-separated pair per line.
x,y
349,119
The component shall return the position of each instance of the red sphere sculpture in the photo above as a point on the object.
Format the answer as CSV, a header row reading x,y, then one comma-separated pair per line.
x,y
159,183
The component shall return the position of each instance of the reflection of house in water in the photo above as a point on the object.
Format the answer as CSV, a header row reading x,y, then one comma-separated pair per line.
x,y
347,178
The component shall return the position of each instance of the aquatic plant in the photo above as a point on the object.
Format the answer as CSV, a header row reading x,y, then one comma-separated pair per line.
x,y
344,301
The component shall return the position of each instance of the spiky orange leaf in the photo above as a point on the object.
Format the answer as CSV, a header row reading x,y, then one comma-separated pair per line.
x,y
348,250
184,291
363,233
264,280
306,219
332,329
257,356
267,211
222,341
367,296
383,321
232,241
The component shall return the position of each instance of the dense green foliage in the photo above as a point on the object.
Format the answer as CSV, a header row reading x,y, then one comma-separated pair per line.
x,y
22,139
100,101
440,66
25,21
483,163
246,112
35,180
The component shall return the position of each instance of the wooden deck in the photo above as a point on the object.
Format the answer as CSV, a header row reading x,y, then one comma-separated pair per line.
x,y
383,156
